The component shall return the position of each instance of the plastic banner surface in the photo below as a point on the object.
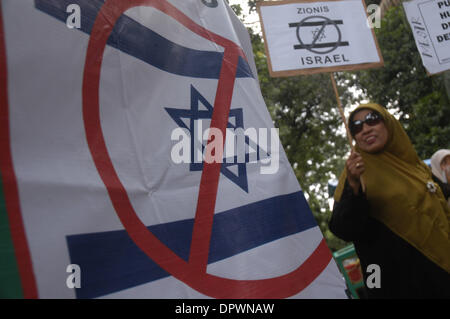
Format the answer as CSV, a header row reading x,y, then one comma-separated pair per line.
x,y
119,178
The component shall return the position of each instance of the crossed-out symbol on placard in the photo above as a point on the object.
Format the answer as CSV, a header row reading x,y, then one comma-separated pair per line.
x,y
193,272
316,45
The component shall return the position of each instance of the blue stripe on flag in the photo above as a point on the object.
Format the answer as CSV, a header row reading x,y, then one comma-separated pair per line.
x,y
111,262
144,44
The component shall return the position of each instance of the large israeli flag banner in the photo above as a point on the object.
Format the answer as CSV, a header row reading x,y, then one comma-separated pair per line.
x,y
116,181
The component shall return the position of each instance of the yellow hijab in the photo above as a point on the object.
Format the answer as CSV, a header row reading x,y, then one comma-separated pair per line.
x,y
402,194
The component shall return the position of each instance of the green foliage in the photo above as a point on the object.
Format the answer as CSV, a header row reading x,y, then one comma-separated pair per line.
x,y
430,124
237,9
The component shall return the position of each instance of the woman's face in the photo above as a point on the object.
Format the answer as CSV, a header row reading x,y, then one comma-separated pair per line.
x,y
445,162
370,139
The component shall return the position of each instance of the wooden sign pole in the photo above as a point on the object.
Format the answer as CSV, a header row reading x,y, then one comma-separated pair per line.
x,y
341,111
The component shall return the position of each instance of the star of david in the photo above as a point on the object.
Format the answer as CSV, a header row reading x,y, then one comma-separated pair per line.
x,y
318,33
194,114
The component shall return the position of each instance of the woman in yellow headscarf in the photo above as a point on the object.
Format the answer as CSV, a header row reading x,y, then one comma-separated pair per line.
x,y
400,221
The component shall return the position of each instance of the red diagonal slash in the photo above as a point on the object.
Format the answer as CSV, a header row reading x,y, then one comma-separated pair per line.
x,y
193,272
9,182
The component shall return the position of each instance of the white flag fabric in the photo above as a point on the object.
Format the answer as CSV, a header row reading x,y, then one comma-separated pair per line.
x,y
430,24
99,196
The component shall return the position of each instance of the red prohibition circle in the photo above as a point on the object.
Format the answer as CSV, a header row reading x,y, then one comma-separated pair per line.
x,y
191,272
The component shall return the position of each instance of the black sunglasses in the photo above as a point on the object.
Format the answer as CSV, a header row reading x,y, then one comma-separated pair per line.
x,y
371,119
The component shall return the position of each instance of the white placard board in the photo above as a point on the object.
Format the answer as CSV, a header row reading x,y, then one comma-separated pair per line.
x,y
430,24
304,37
